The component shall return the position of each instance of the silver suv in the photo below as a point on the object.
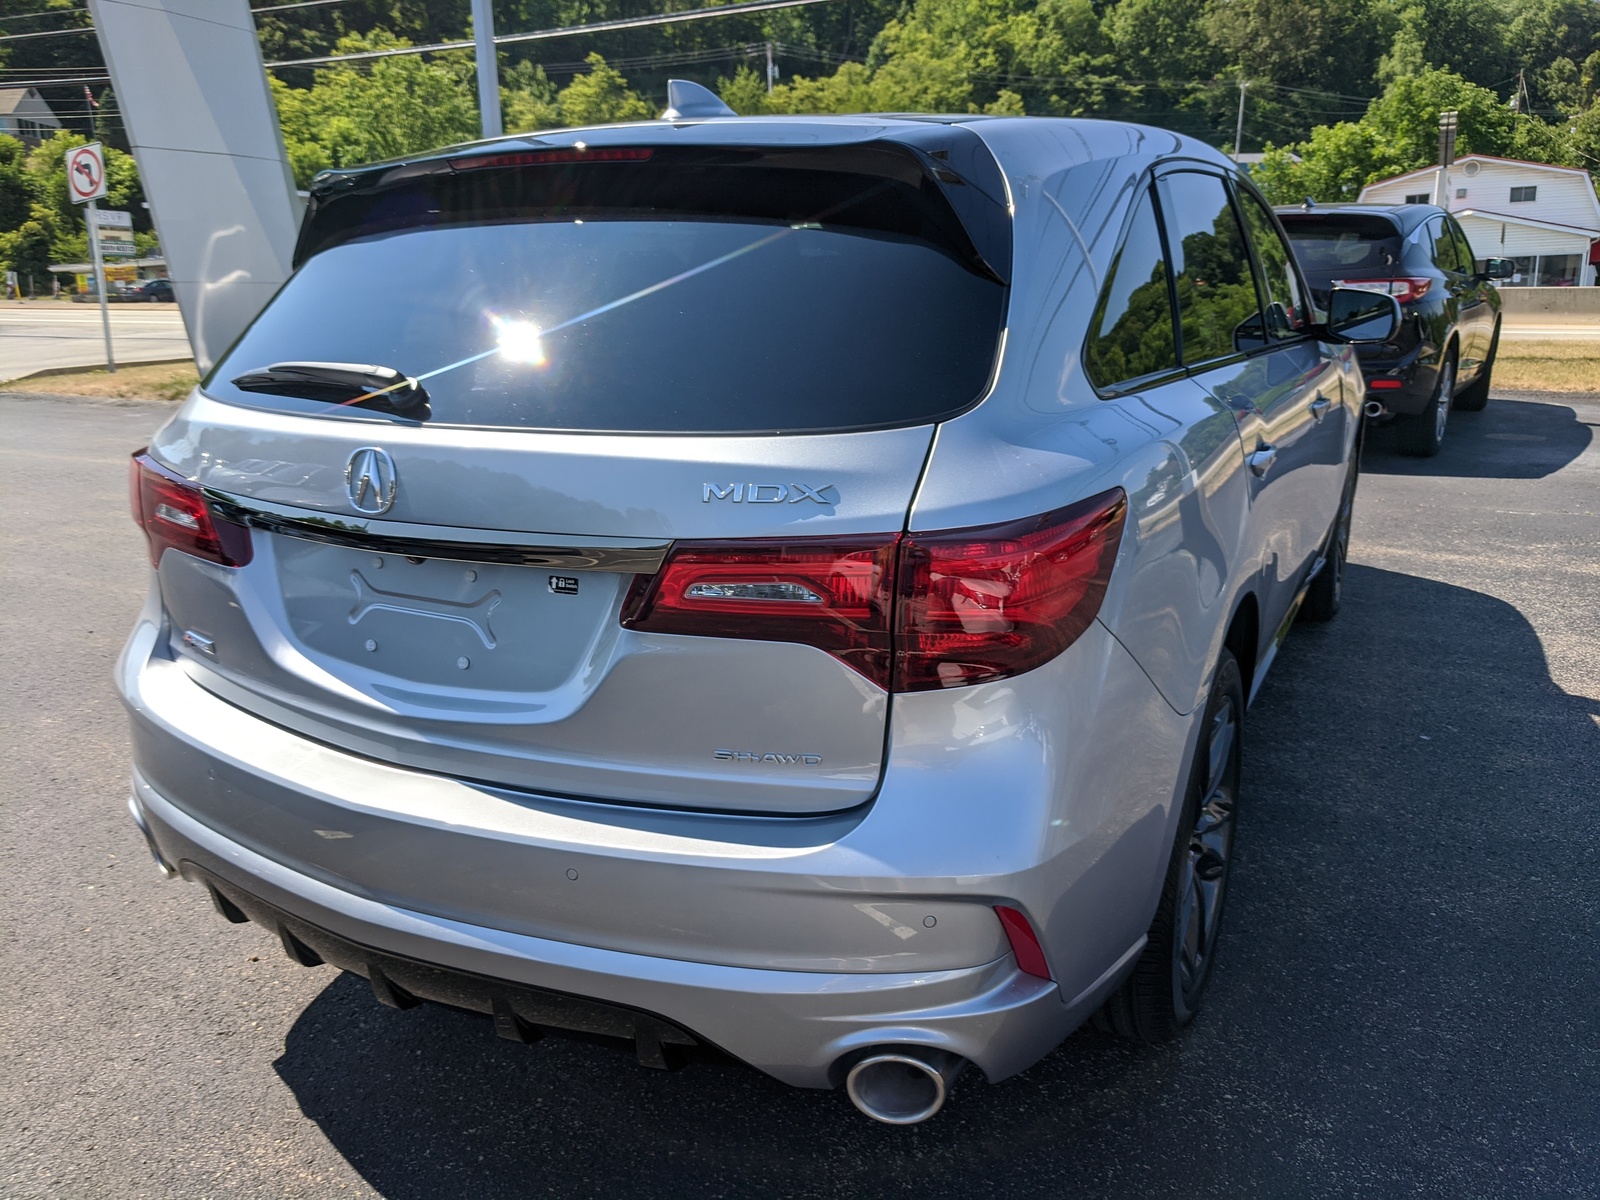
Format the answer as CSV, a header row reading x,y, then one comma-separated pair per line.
x,y
793,585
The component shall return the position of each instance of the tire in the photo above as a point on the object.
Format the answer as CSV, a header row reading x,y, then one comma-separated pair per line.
x,y
1422,434
1327,589
1475,395
1168,982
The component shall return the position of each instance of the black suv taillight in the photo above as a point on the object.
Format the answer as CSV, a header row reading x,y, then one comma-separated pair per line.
x,y
173,513
911,612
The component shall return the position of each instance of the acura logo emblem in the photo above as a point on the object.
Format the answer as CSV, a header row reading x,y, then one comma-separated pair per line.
x,y
370,480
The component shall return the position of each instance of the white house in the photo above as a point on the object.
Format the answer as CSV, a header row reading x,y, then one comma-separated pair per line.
x,y
24,114
1545,219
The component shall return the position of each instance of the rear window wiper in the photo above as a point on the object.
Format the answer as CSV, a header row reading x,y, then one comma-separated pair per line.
x,y
382,389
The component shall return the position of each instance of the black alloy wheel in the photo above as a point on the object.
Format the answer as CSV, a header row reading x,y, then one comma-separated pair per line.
x,y
1326,592
1422,434
1475,395
1164,992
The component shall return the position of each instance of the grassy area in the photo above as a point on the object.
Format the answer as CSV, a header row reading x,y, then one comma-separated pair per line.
x,y
161,381
1548,366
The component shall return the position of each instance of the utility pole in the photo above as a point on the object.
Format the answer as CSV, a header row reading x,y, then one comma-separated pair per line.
x,y
1238,130
1448,122
488,67
770,69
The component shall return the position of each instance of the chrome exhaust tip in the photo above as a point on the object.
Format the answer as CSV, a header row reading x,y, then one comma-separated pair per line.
x,y
1374,409
168,871
903,1086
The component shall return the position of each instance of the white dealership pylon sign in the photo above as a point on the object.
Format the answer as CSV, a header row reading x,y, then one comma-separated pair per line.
x,y
86,183
203,129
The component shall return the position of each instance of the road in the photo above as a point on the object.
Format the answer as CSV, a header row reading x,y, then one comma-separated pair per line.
x,y
1405,1003
51,334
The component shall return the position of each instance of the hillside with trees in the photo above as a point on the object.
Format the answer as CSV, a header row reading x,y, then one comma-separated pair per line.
x,y
1337,92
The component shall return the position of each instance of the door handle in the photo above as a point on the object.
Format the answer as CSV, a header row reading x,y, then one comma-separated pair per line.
x,y
1262,458
1319,407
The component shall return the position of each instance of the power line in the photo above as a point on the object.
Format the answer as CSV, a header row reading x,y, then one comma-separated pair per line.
x,y
507,39
46,12
22,37
55,82
297,4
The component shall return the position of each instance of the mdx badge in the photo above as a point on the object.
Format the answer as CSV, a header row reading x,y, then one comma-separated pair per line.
x,y
370,480
768,493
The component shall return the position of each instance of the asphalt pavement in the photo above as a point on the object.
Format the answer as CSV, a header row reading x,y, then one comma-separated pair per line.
x,y
1406,1003
52,334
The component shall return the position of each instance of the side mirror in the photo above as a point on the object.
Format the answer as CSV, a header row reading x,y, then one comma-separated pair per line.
x,y
1499,268
1356,315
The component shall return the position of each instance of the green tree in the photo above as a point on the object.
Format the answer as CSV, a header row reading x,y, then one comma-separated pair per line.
x,y
385,109
601,97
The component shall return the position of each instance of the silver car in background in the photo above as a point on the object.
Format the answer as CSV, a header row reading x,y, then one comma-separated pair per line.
x,y
787,584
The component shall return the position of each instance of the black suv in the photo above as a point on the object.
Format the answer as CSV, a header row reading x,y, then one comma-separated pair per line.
x,y
1451,327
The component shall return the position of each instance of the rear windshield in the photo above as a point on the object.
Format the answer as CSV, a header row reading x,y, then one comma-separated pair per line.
x,y
644,296
1343,245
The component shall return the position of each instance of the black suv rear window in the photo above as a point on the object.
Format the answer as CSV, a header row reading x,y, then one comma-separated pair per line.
x,y
1342,245
728,292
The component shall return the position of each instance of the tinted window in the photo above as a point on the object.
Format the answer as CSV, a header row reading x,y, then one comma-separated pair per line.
x,y
1446,255
1281,300
1464,255
1211,272
1342,246
1131,332
545,298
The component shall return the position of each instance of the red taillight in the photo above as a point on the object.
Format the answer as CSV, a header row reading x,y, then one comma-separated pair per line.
x,y
542,158
173,512
836,595
985,603
911,612
1378,385
1024,942
1405,290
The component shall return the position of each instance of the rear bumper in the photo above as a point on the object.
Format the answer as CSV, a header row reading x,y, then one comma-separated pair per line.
x,y
794,1025
1414,371
790,943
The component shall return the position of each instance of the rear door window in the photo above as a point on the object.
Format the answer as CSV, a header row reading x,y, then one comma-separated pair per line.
x,y
737,293
1218,312
1130,334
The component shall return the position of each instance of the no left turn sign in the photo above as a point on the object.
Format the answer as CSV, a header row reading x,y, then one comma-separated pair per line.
x,y
86,173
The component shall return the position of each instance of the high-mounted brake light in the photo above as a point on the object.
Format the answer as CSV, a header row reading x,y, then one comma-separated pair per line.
x,y
174,513
911,612
542,158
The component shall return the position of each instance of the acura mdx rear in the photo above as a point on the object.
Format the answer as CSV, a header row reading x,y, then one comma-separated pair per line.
x,y
677,582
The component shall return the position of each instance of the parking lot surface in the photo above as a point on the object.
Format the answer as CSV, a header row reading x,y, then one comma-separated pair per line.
x,y
1405,1002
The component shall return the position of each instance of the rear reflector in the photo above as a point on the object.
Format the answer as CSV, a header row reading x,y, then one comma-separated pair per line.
x,y
1024,942
911,612
542,158
174,513
1378,385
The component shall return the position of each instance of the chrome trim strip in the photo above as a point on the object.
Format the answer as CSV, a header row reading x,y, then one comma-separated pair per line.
x,y
632,556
